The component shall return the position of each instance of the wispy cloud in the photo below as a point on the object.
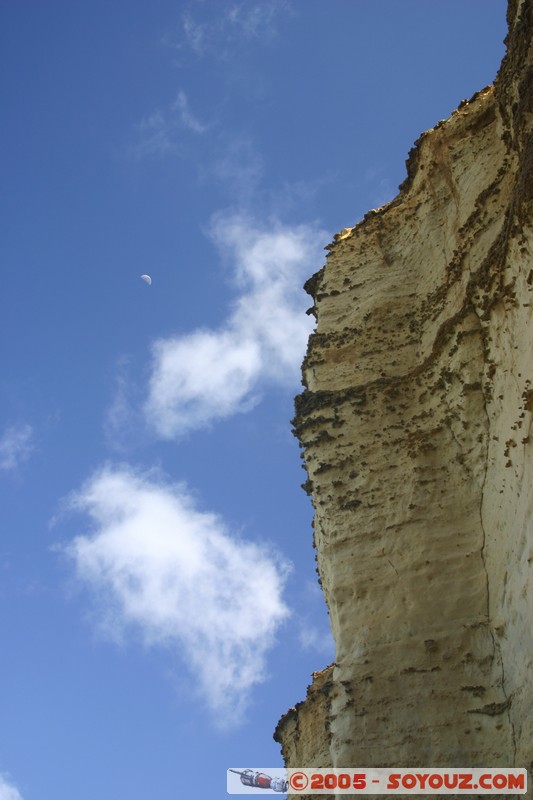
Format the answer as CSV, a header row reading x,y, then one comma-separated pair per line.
x,y
8,791
15,446
234,23
196,34
186,118
210,374
179,577
156,136
124,424
159,134
239,168
254,20
313,629
320,640
378,187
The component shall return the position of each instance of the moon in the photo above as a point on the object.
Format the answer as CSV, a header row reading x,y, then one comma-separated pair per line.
x,y
147,278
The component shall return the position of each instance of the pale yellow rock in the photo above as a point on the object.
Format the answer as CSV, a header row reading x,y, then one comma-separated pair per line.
x,y
416,425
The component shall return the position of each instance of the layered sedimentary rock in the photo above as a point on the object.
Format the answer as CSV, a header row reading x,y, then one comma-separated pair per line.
x,y
417,429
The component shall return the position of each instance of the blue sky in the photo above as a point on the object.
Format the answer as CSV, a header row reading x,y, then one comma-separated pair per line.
x,y
159,605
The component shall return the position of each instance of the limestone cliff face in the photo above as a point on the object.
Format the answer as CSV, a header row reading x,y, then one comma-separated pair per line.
x,y
416,424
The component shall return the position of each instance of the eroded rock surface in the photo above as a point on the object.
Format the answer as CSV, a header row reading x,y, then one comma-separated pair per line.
x,y
416,424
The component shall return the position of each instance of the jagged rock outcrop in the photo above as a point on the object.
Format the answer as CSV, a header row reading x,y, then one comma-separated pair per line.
x,y
417,428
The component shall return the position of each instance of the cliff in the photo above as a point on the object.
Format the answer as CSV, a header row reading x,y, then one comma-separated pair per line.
x,y
416,425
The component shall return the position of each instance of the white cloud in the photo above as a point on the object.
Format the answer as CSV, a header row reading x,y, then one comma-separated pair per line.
x,y
199,377
211,374
15,446
159,133
8,791
177,575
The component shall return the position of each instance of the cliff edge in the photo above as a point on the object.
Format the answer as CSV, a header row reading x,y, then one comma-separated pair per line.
x,y
416,425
